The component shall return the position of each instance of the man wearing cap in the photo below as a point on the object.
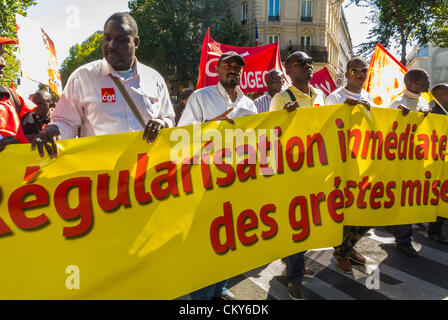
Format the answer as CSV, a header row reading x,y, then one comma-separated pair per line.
x,y
299,67
115,95
10,128
223,101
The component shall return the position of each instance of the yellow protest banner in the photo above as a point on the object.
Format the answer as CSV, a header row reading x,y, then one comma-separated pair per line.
x,y
116,218
396,165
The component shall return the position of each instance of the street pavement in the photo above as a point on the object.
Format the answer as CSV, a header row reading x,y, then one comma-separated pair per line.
x,y
388,275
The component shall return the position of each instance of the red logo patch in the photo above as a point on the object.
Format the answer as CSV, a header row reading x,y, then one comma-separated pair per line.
x,y
108,95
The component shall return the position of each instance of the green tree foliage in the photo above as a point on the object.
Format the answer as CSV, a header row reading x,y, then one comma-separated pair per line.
x,y
8,9
402,22
81,54
172,32
228,31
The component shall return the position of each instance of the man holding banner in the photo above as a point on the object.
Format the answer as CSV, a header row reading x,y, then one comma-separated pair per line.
x,y
416,81
114,95
352,94
299,67
223,101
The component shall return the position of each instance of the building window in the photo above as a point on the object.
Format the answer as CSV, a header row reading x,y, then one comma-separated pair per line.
x,y
423,51
305,41
244,14
273,38
307,11
274,10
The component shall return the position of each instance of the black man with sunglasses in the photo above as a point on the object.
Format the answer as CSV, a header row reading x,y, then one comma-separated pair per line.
x,y
353,92
299,67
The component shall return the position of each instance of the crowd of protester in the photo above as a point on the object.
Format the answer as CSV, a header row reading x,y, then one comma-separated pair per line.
x,y
144,105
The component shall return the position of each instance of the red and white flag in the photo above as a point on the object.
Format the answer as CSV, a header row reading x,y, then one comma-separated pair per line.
x,y
385,78
323,81
259,61
37,54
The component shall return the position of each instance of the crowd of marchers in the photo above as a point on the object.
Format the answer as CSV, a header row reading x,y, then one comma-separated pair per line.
x,y
119,94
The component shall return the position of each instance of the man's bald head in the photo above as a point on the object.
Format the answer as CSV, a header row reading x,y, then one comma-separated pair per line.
x,y
355,62
275,72
440,92
126,19
414,75
274,81
44,101
417,81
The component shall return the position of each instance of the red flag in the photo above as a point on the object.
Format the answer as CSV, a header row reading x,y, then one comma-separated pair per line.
x,y
259,61
9,122
323,81
385,79
27,107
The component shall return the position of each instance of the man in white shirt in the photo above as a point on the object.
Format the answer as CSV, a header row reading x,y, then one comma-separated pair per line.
x,y
353,93
274,81
221,102
416,81
93,103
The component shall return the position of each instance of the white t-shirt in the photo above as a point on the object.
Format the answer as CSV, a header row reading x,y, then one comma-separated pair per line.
x,y
340,95
412,101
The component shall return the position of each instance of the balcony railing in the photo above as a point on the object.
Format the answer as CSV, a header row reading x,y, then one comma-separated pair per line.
x,y
306,19
243,22
317,53
274,18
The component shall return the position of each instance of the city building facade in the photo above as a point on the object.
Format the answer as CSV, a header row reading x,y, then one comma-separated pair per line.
x,y
432,59
317,27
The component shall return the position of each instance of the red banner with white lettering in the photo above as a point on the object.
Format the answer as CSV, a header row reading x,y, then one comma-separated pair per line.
x,y
259,61
323,81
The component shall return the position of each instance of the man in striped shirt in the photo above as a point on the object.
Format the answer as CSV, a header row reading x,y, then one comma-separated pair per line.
x,y
274,81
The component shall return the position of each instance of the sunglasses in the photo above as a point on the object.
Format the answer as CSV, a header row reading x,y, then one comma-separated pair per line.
x,y
356,71
303,61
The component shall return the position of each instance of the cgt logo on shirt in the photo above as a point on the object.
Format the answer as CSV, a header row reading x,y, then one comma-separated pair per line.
x,y
108,95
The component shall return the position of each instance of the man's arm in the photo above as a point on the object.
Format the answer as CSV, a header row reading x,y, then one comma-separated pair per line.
x,y
277,103
66,119
166,114
165,118
7,141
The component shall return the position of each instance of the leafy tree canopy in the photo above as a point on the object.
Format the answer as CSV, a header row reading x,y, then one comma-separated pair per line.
x,y
81,54
402,22
8,9
172,32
